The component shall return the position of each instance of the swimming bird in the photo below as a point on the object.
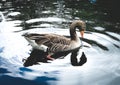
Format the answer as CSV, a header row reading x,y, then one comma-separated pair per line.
x,y
54,43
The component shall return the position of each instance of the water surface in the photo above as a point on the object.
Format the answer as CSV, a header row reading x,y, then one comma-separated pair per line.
x,y
102,39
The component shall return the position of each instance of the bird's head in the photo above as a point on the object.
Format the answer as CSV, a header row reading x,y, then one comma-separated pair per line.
x,y
79,26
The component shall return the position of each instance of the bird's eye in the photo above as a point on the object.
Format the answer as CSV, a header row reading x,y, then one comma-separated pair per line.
x,y
78,27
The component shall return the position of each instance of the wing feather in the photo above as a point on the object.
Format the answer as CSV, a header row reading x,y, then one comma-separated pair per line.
x,y
54,42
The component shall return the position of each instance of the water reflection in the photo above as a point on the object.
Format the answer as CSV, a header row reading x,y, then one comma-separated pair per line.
x,y
64,9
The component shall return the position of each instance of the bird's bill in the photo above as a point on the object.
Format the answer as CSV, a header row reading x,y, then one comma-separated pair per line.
x,y
82,33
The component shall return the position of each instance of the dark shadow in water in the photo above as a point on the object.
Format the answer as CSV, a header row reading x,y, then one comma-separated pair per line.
x,y
3,70
25,69
35,57
43,80
40,56
103,32
115,38
7,80
92,42
74,60
116,46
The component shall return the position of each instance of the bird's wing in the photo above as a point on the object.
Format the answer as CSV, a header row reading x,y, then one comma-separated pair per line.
x,y
54,42
48,38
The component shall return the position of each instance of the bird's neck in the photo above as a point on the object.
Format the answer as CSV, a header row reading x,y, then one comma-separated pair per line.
x,y
73,34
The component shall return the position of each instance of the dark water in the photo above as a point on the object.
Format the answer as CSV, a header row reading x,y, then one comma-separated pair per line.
x,y
102,37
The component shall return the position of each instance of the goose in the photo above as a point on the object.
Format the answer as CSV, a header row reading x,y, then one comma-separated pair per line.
x,y
54,43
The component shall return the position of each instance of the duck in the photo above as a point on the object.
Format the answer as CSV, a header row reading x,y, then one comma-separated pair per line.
x,y
57,44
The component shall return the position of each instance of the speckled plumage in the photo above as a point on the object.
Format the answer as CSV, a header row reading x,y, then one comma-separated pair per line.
x,y
57,43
